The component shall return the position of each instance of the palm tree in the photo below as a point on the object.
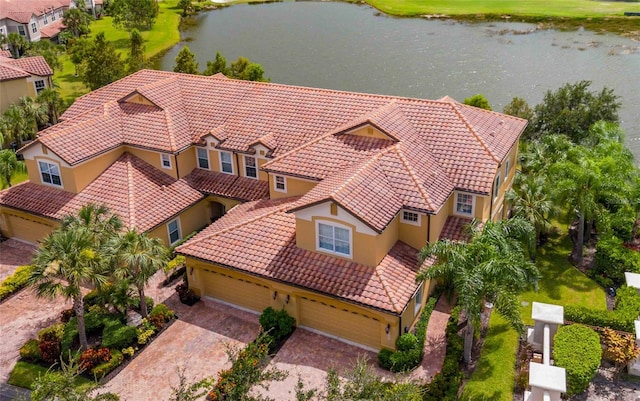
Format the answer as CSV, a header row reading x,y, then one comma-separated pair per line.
x,y
14,124
77,21
97,219
492,266
9,164
17,43
65,261
35,114
137,257
529,200
51,100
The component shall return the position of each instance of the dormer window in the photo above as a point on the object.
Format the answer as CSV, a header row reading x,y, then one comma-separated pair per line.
x,y
333,238
203,158
50,173
250,169
226,165
165,160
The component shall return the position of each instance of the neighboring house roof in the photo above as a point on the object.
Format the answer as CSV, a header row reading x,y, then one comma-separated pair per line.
x,y
140,194
259,238
227,185
454,228
22,10
6,53
23,67
52,30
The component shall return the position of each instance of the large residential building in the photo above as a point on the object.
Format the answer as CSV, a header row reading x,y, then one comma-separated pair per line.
x,y
33,19
26,76
316,201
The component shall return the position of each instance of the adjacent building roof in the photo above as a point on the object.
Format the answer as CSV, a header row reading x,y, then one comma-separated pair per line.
x,y
140,194
52,30
227,185
454,229
22,10
259,238
23,67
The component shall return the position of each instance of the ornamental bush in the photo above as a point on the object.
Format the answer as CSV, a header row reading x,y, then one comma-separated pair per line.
x,y
407,342
49,346
101,370
163,311
612,259
621,318
577,349
278,324
31,351
15,282
93,357
118,335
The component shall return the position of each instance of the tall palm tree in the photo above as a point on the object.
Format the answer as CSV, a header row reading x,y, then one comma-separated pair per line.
x,y
17,43
51,100
35,114
65,261
9,164
14,125
137,258
100,222
492,266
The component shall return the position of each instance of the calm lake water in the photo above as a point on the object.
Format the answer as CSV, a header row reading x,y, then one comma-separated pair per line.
x,y
354,48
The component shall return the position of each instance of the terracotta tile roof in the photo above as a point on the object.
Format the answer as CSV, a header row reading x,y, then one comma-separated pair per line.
x,y
23,67
52,30
259,238
6,53
454,229
22,10
140,194
22,17
227,185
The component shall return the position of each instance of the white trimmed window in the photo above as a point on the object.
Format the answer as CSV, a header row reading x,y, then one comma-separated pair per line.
x,y
173,228
45,20
50,173
53,16
21,30
165,160
203,158
226,164
34,27
410,217
39,84
506,170
280,183
464,204
418,301
333,238
497,186
250,169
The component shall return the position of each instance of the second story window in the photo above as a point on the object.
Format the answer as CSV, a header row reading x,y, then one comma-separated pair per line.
x,y
226,164
21,30
334,239
410,217
203,158
39,84
506,170
497,186
280,183
464,204
250,167
166,160
34,27
173,228
50,173
45,20
53,16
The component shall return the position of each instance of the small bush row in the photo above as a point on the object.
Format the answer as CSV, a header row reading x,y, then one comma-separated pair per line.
x,y
409,347
577,349
612,259
627,309
15,282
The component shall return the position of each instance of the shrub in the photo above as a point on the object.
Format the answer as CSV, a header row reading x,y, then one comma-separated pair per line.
x,y
404,361
66,315
157,321
49,346
101,370
622,223
163,311
129,351
93,297
57,330
15,282
278,324
31,351
577,349
407,342
619,348
173,265
135,303
613,259
93,357
600,318
144,335
628,302
118,335
70,334
384,358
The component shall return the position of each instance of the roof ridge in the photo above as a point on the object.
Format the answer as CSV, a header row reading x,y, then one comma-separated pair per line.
x,y
386,288
473,132
412,174
132,210
299,148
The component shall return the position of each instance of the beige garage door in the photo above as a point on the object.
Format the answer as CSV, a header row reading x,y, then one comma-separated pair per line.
x,y
27,230
342,323
244,293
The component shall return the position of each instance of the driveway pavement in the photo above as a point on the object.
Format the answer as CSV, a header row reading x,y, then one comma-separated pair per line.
x,y
14,253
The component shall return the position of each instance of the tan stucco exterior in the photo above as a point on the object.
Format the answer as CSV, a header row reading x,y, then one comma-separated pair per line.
x,y
11,92
154,159
192,219
369,132
25,226
293,187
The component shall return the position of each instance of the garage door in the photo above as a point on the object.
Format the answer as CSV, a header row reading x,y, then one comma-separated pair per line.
x,y
27,230
244,293
341,323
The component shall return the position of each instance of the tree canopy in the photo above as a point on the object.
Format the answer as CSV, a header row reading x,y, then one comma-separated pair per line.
x,y
102,64
186,62
478,101
77,21
135,61
130,14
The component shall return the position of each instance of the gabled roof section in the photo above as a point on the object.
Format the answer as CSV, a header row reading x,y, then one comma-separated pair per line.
x,y
388,119
23,67
258,238
267,140
141,195
227,185
52,30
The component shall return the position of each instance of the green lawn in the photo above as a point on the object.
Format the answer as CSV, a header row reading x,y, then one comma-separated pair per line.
x,y
159,39
560,284
24,373
532,8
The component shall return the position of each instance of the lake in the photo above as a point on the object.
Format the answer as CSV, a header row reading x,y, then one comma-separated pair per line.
x,y
355,48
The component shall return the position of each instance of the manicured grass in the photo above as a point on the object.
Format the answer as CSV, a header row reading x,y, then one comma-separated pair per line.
x,y
561,283
16,178
24,373
494,374
159,39
533,8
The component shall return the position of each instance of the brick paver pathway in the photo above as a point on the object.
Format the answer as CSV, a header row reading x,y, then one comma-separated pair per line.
x,y
14,253
435,346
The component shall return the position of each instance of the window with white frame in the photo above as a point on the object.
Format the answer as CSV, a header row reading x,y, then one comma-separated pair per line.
x,y
203,158
50,173
53,16
45,20
280,183
173,228
39,84
34,27
497,186
165,160
418,301
250,169
226,164
464,204
506,170
21,30
410,217
334,238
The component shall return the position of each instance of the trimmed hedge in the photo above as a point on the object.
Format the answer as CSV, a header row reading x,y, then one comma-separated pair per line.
x,y
15,282
118,335
278,324
621,318
612,259
577,349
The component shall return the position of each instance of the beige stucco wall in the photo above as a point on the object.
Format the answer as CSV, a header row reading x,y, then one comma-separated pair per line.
x,y
11,92
194,218
154,159
438,220
294,187
506,181
413,235
369,132
16,223
187,161
262,176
